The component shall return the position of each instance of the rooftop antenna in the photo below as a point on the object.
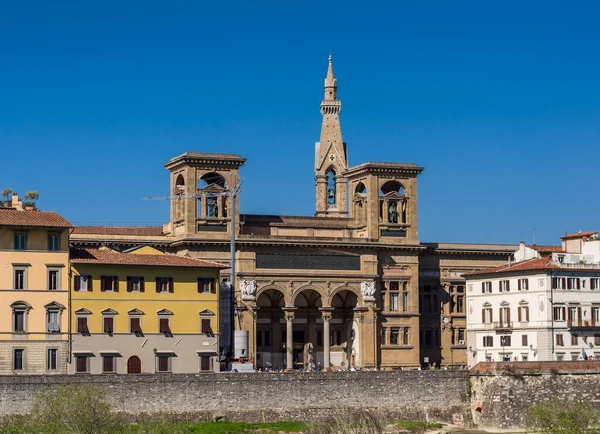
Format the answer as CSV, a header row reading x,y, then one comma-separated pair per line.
x,y
534,236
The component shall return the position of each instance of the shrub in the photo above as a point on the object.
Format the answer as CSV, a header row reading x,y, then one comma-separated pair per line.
x,y
77,409
555,417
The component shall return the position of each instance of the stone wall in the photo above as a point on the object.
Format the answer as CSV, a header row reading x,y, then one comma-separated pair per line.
x,y
437,395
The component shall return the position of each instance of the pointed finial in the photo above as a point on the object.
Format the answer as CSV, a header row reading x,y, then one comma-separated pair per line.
x,y
330,79
330,58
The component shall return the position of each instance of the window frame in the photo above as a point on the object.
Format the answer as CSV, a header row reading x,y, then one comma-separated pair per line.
x,y
488,341
20,240
139,332
169,368
49,271
112,359
54,241
20,351
104,283
86,359
49,359
49,323
24,270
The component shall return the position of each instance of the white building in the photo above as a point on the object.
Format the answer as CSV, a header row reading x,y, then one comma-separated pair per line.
x,y
543,306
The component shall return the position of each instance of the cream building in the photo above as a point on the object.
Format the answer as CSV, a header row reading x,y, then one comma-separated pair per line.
x,y
352,286
34,276
543,306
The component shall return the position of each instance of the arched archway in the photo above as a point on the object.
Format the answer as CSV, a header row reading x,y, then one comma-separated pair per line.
x,y
307,331
345,331
134,365
211,206
359,204
331,188
392,203
270,329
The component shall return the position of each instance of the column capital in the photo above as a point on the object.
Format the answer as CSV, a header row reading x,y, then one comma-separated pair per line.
x,y
289,314
326,313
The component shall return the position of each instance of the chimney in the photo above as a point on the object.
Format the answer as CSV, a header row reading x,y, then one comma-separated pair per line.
x,y
16,202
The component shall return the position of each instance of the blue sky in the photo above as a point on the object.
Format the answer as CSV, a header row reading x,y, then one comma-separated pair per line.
x,y
499,101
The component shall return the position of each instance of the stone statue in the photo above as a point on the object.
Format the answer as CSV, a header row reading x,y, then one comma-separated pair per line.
x,y
368,290
213,209
331,196
248,289
393,212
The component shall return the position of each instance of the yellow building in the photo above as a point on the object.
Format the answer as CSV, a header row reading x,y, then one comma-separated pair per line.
x,y
143,311
34,265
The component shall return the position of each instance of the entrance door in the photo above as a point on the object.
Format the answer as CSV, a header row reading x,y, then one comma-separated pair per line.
x,y
134,365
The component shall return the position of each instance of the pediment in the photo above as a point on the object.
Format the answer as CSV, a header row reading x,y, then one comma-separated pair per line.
x,y
207,312
164,312
109,311
394,195
213,188
135,311
54,306
487,304
504,303
360,197
83,311
523,302
20,305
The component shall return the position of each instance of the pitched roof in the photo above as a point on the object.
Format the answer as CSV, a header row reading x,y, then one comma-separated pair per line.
x,y
111,257
535,264
44,219
579,235
547,249
120,230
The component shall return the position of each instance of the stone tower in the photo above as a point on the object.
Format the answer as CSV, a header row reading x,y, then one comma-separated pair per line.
x,y
331,158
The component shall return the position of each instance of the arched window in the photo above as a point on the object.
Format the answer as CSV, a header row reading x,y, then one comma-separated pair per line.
x,y
211,203
331,191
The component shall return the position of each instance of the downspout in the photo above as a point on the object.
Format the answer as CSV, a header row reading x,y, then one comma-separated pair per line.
x,y
552,314
70,322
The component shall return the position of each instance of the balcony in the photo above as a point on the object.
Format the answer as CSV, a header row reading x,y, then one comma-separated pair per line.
x,y
582,324
506,325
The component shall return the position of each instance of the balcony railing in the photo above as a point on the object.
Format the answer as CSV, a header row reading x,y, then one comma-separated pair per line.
x,y
582,323
505,325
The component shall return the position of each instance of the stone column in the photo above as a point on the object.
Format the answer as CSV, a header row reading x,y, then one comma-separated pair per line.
x,y
289,338
326,345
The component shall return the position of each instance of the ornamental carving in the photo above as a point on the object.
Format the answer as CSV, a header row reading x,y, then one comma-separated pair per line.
x,y
248,290
368,290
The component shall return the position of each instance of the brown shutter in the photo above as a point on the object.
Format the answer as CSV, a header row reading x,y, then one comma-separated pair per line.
x,y
142,288
501,316
527,284
483,287
527,313
206,325
77,283
89,282
519,313
107,365
483,316
491,315
519,284
135,325
579,316
82,325
81,363
564,283
578,283
129,285
108,324
199,285
171,285
115,283
508,286
163,324
102,283
508,316
163,363
213,286
158,284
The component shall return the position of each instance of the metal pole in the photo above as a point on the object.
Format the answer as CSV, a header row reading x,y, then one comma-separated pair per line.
x,y
232,276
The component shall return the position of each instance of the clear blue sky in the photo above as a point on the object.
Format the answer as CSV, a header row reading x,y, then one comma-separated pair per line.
x,y
499,101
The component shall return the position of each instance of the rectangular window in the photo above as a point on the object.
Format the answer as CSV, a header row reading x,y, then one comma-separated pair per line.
x,y
524,340
82,282
20,278
52,364
163,326
135,325
18,359
523,284
205,363
82,364
594,283
596,339
405,336
135,284
393,301
383,333
108,324
108,364
18,321
523,313
405,302
559,313
595,315
504,285
505,316
394,336
505,341
488,341
574,339
164,284
53,242
164,363
53,322
205,325
461,336
559,340
20,239
486,315
460,303
109,283
53,280
82,325
486,287
207,285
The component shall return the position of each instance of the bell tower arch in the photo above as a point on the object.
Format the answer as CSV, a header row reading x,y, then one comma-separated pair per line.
x,y
331,157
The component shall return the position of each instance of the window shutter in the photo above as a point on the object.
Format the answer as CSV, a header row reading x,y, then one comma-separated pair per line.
x,y
171,285
108,325
578,283
77,283
508,316
483,287
129,285
579,316
49,242
213,286
519,314
199,285
107,364
115,283
526,283
527,313
492,315
142,288
163,325
135,325
81,325
483,316
205,325
158,284
89,282
519,284
508,286
501,316
102,283
564,283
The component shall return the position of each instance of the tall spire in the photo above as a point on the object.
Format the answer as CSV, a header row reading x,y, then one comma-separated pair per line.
x,y
330,82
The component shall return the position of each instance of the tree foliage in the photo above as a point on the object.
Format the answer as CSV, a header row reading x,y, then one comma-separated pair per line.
x,y
6,193
555,417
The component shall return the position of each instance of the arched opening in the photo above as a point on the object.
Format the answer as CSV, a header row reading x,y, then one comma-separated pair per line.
x,y
270,330
307,336
134,365
344,333
360,203
178,203
211,206
392,203
331,188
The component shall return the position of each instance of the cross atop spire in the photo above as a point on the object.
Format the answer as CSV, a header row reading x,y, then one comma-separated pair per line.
x,y
330,82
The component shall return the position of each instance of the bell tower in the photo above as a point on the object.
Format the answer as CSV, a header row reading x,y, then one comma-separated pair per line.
x,y
331,157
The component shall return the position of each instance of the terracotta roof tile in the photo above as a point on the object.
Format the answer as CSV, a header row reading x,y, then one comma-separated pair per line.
x,y
120,230
544,263
111,257
547,249
579,235
45,219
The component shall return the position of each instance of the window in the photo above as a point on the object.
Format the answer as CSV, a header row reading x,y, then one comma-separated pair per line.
x,y
135,284
108,325
504,285
207,285
20,240
505,341
20,278
523,313
594,283
524,340
163,363
573,283
574,339
505,316
488,341
108,364
52,364
19,321
53,279
461,336
486,287
574,313
82,364
486,315
558,283
559,313
460,303
54,242
82,282
53,321
82,325
383,333
109,283
18,359
596,339
394,336
163,326
393,301
404,301
135,326
559,340
595,315
205,324
523,284
164,284
205,363
405,336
